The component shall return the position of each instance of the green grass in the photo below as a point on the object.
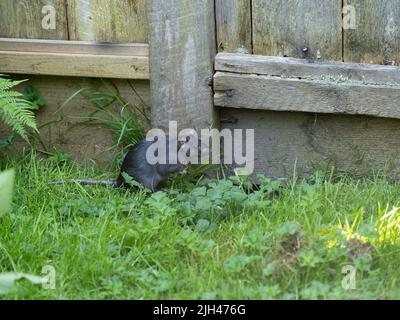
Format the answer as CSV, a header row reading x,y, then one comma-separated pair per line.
x,y
211,239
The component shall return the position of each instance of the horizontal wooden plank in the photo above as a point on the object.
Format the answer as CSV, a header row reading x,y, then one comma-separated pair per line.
x,y
302,143
321,96
82,65
81,47
74,58
302,68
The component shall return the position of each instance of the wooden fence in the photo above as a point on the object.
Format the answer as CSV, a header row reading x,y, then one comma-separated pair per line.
x,y
87,20
92,39
289,69
285,28
309,114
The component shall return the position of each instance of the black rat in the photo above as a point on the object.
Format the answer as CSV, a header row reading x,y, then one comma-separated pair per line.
x,y
149,175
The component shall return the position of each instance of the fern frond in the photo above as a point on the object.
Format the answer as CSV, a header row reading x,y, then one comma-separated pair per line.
x,y
14,110
6,84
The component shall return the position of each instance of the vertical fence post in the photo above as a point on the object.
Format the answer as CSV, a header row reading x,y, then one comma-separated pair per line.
x,y
182,52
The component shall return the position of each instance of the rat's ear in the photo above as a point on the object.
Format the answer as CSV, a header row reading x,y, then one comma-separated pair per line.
x,y
186,135
182,140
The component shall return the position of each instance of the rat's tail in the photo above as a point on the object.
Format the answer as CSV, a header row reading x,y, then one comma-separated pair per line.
x,y
86,182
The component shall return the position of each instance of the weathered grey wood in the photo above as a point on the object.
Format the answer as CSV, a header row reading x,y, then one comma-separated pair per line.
x,y
74,58
64,127
23,19
302,68
282,94
286,142
81,47
283,28
105,20
182,51
82,65
376,38
233,19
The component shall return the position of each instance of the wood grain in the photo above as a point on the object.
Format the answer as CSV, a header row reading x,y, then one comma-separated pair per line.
x,y
182,51
104,20
233,24
376,38
64,129
288,142
281,94
283,28
23,19
82,65
304,68
81,47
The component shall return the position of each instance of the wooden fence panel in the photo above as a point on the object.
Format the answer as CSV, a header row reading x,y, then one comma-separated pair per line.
x,y
335,71
376,38
304,142
105,20
290,84
284,28
282,94
74,58
233,19
67,129
23,19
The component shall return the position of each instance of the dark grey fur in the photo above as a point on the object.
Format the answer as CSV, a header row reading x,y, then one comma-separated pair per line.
x,y
137,167
148,175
